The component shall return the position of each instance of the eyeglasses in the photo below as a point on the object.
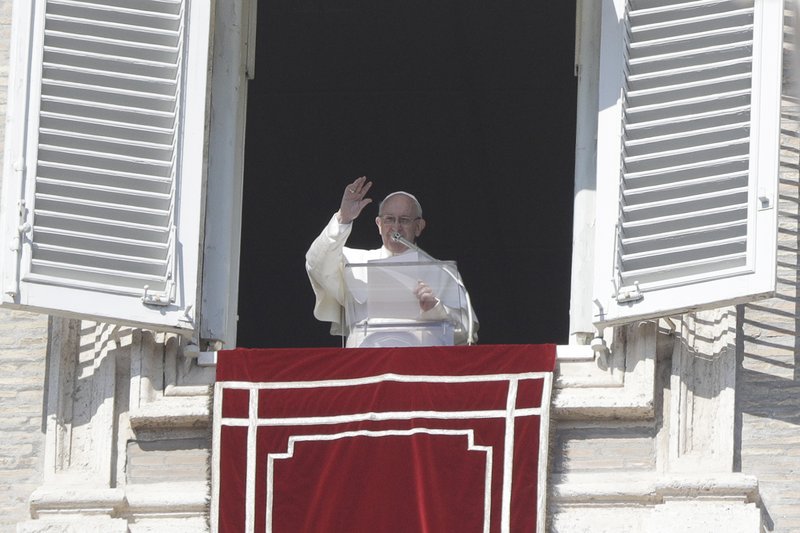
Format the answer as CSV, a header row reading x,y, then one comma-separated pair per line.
x,y
403,221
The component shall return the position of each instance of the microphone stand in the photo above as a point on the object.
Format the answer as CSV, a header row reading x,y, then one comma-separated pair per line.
x,y
412,246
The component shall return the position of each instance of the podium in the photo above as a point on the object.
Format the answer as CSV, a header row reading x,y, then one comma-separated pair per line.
x,y
382,310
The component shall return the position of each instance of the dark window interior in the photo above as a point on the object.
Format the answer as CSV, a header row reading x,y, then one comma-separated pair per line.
x,y
468,104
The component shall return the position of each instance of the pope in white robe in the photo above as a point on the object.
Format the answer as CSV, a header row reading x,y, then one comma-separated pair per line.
x,y
399,221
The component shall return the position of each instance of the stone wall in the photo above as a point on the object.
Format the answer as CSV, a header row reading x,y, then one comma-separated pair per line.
x,y
23,342
23,338
768,382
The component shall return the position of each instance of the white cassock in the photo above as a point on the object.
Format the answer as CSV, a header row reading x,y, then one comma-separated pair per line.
x,y
325,263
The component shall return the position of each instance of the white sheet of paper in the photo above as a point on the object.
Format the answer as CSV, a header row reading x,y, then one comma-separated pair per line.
x,y
390,289
385,288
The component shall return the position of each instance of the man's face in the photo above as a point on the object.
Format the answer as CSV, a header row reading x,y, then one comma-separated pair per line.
x,y
399,216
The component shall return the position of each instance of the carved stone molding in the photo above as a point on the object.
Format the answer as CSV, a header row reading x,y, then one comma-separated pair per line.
x,y
655,503
700,407
103,472
619,384
168,389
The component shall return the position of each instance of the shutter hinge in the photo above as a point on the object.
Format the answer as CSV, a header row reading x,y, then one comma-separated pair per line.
x,y
158,298
629,294
23,227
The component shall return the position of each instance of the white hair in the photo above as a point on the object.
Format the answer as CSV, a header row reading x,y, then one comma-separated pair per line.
x,y
404,193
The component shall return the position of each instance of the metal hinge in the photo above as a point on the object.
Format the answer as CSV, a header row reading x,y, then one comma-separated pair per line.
x,y
629,294
160,298
23,227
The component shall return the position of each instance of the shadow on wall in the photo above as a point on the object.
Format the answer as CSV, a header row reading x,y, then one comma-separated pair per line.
x,y
768,375
769,380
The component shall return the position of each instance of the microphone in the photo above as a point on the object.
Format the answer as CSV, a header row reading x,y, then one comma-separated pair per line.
x,y
405,242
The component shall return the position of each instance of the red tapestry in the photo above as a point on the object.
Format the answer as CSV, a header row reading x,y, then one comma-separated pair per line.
x,y
434,439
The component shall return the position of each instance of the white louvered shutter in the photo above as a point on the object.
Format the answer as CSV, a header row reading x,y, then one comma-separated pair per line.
x,y
103,170
688,142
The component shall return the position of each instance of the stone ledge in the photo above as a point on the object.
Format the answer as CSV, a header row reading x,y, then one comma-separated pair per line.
x,y
602,403
173,499
617,384
63,501
651,489
88,510
172,412
74,525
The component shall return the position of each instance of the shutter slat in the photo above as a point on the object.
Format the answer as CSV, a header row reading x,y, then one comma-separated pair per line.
x,y
94,258
641,9
103,211
101,162
114,65
125,282
676,17
122,51
101,30
710,51
80,76
676,273
154,17
110,96
686,189
687,135
160,82
124,180
78,187
667,255
111,34
688,235
728,145
66,155
80,205
698,167
149,117
686,207
157,202
711,68
708,119
687,84
728,33
78,142
112,244
687,155
114,228
705,100
115,130
683,221
123,128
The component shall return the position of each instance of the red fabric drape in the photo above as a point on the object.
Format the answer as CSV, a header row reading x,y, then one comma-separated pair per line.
x,y
435,439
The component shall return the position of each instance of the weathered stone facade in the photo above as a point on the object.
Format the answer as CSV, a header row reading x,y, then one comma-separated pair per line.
x,y
23,343
768,332
23,339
